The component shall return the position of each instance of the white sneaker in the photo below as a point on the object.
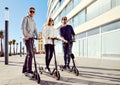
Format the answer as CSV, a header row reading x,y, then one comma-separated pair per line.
x,y
30,75
26,74
46,70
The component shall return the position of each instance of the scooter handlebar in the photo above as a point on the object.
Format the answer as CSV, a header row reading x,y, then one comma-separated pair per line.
x,y
54,38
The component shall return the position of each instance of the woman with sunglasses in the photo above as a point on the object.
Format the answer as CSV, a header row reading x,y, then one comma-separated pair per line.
x,y
48,32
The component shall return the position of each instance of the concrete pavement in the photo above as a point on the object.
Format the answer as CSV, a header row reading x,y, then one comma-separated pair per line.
x,y
11,74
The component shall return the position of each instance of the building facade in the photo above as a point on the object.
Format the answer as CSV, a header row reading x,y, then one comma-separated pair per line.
x,y
96,24
40,43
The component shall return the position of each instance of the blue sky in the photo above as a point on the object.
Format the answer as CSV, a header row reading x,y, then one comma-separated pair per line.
x,y
17,10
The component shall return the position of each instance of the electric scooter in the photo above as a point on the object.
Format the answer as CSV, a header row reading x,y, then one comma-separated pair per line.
x,y
55,73
36,75
74,68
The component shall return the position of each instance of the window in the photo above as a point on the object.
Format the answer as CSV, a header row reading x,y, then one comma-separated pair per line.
x,y
93,31
69,7
98,8
115,3
94,46
111,44
112,26
76,2
81,35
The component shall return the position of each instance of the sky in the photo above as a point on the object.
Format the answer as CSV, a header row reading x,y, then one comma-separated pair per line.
x,y
19,9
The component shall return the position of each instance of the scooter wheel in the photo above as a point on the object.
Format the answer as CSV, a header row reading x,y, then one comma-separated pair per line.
x,y
38,78
57,75
76,71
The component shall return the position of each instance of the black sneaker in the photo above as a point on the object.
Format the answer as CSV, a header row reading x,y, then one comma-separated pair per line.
x,y
24,69
64,67
30,72
49,70
68,66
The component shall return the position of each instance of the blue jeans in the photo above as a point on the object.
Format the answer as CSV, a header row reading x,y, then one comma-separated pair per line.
x,y
67,49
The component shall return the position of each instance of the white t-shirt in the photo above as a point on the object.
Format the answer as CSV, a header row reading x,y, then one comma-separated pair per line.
x,y
48,31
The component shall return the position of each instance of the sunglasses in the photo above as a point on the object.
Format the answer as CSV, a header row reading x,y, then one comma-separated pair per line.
x,y
64,19
51,20
32,11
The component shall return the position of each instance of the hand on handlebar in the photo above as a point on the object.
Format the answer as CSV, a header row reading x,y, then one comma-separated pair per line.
x,y
49,38
26,38
65,41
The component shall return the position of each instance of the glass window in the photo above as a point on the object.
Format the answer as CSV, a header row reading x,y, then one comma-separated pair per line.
x,y
76,21
79,18
55,9
112,26
71,22
111,44
115,3
93,31
61,2
75,48
83,48
98,8
69,7
63,13
76,2
94,46
82,35
56,20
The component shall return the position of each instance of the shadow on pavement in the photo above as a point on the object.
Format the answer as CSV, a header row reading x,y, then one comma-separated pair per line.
x,y
98,75
2,61
85,67
74,80
82,81
13,64
43,82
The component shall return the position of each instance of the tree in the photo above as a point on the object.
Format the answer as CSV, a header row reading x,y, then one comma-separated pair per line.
x,y
13,42
10,43
1,37
16,47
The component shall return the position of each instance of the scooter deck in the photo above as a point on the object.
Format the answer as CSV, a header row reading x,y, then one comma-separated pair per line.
x,y
64,69
50,74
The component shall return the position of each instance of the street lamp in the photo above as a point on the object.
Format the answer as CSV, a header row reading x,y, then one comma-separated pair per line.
x,y
6,34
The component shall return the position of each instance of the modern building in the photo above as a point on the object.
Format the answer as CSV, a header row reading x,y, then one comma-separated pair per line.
x,y
40,43
96,24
